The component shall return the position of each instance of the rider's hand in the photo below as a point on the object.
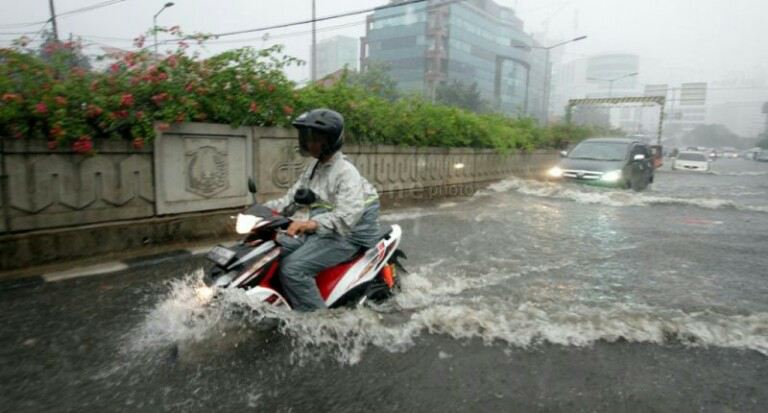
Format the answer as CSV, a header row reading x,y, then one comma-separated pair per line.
x,y
301,227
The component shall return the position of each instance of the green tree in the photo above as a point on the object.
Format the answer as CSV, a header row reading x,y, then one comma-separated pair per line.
x,y
763,143
377,79
459,95
712,136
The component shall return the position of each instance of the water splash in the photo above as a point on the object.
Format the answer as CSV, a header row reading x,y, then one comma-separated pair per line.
x,y
187,314
601,196
347,334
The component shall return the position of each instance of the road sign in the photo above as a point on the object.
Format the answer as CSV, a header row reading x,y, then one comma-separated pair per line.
x,y
656,90
693,93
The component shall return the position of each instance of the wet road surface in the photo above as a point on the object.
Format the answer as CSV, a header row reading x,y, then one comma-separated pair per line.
x,y
526,296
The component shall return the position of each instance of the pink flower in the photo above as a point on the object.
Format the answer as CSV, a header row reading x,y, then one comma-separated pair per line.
x,y
163,126
288,110
175,29
83,145
41,108
52,145
114,67
138,143
159,97
57,131
94,110
172,60
140,115
183,44
126,100
254,107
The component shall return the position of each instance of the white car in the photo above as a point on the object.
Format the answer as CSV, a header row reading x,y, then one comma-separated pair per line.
x,y
691,161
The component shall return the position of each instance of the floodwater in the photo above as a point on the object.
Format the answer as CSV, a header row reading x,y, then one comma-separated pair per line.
x,y
525,296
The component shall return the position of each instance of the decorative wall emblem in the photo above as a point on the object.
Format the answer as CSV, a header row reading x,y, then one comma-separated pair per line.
x,y
207,171
285,173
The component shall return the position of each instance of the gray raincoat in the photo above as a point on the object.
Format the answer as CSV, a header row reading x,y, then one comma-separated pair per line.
x,y
347,215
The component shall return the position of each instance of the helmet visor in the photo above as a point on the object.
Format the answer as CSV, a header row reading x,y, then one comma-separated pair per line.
x,y
304,142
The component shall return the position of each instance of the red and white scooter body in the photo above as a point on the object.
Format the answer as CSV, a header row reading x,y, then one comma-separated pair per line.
x,y
253,265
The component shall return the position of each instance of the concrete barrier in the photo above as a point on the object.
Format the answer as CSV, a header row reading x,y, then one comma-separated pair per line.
x,y
58,205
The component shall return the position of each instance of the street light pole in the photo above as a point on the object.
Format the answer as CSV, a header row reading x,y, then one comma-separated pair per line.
x,y
314,45
548,71
154,23
610,81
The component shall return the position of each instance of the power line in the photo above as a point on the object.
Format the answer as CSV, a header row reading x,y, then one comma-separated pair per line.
x,y
336,16
15,33
20,25
39,31
64,14
279,36
280,26
91,7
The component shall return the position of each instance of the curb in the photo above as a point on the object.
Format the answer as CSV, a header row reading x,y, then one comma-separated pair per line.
x,y
105,268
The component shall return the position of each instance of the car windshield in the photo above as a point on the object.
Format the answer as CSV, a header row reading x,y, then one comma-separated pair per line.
x,y
698,157
600,151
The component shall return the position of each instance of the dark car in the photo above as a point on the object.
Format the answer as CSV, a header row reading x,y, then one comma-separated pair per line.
x,y
619,162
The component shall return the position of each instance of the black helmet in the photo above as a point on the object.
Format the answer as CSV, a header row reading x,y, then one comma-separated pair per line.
x,y
327,121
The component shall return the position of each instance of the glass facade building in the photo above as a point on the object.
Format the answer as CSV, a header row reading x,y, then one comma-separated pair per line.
x,y
336,53
474,41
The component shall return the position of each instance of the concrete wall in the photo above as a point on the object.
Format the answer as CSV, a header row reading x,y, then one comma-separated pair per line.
x,y
196,167
58,205
47,189
393,170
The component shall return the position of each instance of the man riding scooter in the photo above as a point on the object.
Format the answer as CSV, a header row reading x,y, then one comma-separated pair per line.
x,y
343,218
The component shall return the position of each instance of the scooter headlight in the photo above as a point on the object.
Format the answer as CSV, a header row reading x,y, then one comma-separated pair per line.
x,y
612,176
245,223
204,294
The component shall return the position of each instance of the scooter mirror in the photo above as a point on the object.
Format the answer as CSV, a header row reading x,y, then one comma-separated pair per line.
x,y
305,196
251,186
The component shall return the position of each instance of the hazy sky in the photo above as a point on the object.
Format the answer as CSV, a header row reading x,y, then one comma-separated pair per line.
x,y
678,40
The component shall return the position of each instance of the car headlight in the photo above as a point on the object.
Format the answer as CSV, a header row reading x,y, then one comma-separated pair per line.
x,y
555,172
612,176
245,223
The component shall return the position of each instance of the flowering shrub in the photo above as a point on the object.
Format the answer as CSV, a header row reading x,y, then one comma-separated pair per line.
x,y
71,106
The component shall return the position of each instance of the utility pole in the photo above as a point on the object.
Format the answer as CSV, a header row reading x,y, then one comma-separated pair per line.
x,y
314,44
53,21
547,79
